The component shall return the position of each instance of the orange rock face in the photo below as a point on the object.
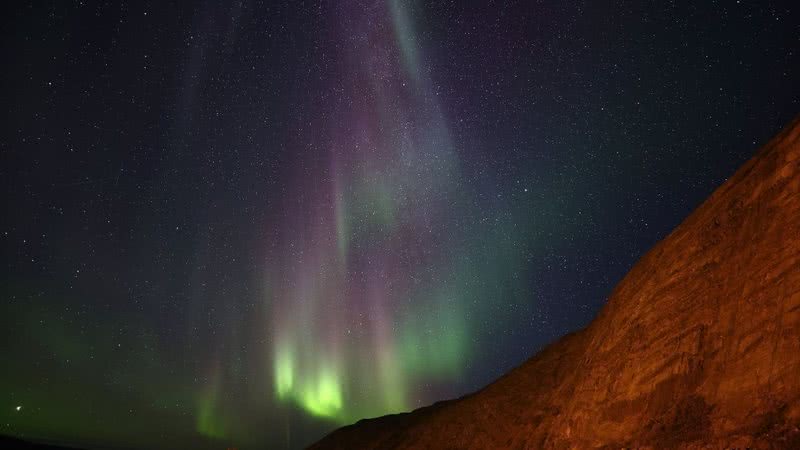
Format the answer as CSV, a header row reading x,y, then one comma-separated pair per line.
x,y
698,346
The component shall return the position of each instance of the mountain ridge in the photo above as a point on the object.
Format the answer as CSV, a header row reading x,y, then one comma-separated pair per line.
x,y
698,345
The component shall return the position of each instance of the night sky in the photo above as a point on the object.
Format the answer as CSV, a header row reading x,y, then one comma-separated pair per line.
x,y
248,223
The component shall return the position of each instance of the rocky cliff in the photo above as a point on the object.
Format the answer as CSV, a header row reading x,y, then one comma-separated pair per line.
x,y
697,347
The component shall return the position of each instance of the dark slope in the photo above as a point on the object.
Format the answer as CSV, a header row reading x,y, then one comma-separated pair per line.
x,y
697,347
7,442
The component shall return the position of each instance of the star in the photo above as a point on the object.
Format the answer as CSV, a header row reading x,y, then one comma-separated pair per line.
x,y
19,408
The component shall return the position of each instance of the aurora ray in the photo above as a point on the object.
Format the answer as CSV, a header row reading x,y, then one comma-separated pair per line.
x,y
368,300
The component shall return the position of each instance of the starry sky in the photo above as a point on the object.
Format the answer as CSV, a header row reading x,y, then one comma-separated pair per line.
x,y
248,223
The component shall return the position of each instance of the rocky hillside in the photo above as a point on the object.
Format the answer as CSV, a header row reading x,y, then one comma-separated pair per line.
x,y
697,347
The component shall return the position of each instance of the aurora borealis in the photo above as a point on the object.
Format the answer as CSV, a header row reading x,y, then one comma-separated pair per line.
x,y
370,296
244,224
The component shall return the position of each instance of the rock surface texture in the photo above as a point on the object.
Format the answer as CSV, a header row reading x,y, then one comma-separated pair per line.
x,y
697,347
